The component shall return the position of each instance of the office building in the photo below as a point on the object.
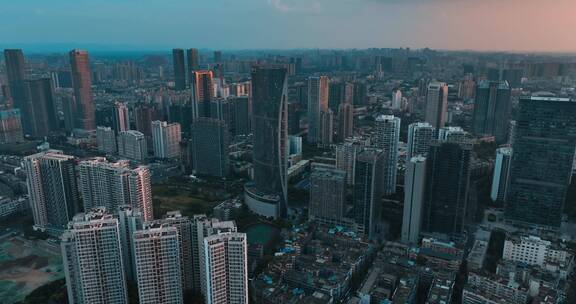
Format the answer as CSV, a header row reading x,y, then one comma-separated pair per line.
x,y
396,102
492,108
217,56
210,147
193,63
367,193
268,194
178,62
120,121
202,93
143,117
112,185
326,128
132,145
166,139
387,139
345,121
38,108
242,115
130,220
15,72
420,134
157,260
436,104
184,227
318,89
501,174
542,159
454,134
83,106
106,140
414,190
447,184
10,127
327,194
92,259
346,157
52,189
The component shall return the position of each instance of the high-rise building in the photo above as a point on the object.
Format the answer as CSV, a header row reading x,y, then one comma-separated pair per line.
x,y
39,108
318,89
453,134
143,116
93,263
242,113
15,72
106,140
166,138
10,127
346,157
157,260
326,128
202,93
226,268
268,194
184,227
217,56
52,189
345,121
492,108
335,95
396,102
447,184
82,83
130,220
436,104
414,190
112,185
193,63
542,158
178,62
368,176
387,139
420,135
210,146
327,194
501,174
120,121
132,145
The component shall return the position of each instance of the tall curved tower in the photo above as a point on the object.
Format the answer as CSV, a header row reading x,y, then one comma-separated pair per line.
x,y
268,194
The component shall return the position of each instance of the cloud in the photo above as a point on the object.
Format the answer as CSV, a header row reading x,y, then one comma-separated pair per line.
x,y
287,6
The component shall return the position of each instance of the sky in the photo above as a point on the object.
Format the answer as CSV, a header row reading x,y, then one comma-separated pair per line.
x,y
502,25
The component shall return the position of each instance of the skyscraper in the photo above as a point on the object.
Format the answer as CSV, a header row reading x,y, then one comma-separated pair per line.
x,y
217,56
10,127
346,157
166,138
345,121
157,260
210,147
179,69
202,93
369,170
437,104
120,121
82,83
113,185
387,138
52,189
184,227
327,194
396,102
15,71
492,110
326,128
268,194
193,63
414,191
420,135
501,174
143,116
130,220
106,140
132,145
317,103
39,108
542,158
447,183
93,262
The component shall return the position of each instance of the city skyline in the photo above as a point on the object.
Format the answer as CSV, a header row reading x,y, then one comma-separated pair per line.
x,y
441,24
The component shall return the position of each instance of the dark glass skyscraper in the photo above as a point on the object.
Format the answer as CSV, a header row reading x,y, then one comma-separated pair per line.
x,y
193,62
15,70
270,129
492,110
83,106
202,93
542,158
210,146
179,69
40,118
368,176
